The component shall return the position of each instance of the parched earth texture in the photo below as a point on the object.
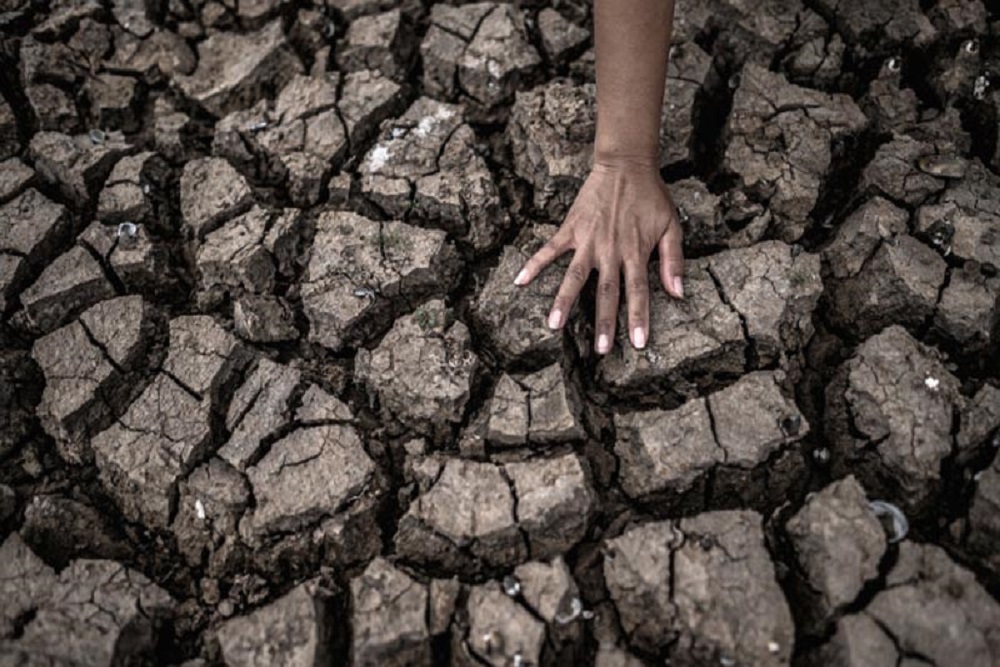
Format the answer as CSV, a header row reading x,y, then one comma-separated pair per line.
x,y
270,397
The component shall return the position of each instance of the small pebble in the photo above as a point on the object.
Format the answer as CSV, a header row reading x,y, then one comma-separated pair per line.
x,y
97,137
199,508
932,383
894,64
979,87
773,647
971,46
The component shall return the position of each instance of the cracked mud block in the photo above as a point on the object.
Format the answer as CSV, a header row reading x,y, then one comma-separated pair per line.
x,y
64,529
293,630
246,252
968,311
513,319
32,229
967,217
10,143
167,430
781,143
703,589
561,38
481,51
203,357
466,519
499,629
170,127
383,43
549,591
890,106
125,193
156,442
65,18
774,289
264,319
76,165
898,284
754,30
838,544
53,109
871,225
554,503
543,408
984,518
980,417
20,393
235,70
50,73
211,192
210,503
316,479
551,129
389,615
691,341
422,371
879,28
952,16
735,433
362,272
903,171
138,260
260,408
426,167
931,608
115,102
815,55
26,582
90,369
309,128
162,53
889,418
99,613
73,282
15,177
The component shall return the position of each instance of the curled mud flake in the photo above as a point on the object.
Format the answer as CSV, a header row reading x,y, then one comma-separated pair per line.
x,y
971,46
932,383
892,518
980,86
127,231
199,509
511,586
97,137
791,424
945,166
575,611
331,30
735,81
894,64
821,455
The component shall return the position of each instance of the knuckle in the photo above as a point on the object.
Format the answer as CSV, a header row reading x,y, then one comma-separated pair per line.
x,y
605,324
607,289
638,286
576,274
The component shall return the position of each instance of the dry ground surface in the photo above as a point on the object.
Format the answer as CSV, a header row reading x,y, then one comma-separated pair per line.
x,y
270,397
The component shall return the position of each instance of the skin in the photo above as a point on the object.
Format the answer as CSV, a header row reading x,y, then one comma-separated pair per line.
x,y
623,210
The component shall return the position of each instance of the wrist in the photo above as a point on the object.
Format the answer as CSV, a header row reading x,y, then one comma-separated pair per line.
x,y
618,159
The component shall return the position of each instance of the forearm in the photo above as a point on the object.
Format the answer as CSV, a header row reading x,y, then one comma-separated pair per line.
x,y
632,39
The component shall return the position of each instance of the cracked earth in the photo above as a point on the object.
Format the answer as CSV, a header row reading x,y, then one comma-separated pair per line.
x,y
270,397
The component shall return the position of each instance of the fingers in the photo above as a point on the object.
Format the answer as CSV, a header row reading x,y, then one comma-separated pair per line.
x,y
607,306
548,253
573,281
637,296
672,260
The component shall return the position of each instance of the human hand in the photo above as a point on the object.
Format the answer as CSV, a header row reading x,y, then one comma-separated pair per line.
x,y
623,211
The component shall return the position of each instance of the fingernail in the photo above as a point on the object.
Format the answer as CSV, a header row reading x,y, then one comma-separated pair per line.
x,y
679,286
555,319
639,337
522,277
603,344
